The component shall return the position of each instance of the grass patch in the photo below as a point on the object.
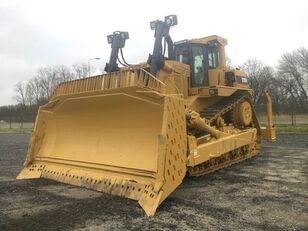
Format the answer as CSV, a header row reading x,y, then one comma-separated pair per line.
x,y
284,119
15,127
15,130
287,129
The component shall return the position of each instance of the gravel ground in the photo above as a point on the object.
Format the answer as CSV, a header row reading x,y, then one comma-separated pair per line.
x,y
267,192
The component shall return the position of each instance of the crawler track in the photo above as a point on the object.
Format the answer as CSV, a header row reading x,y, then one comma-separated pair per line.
x,y
225,160
223,106
211,114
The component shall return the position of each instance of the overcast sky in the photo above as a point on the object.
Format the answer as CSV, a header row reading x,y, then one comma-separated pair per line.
x,y
35,34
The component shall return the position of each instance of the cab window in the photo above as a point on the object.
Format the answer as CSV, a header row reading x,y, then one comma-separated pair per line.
x,y
213,57
198,66
182,54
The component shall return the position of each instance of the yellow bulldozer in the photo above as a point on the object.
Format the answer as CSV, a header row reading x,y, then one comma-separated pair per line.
x,y
138,130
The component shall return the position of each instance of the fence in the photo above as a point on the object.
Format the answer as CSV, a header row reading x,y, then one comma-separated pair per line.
x,y
284,114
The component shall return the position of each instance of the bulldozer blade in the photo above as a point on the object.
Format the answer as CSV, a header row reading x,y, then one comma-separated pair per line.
x,y
129,142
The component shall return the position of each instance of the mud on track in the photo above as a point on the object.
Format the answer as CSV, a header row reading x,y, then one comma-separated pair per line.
x,y
268,192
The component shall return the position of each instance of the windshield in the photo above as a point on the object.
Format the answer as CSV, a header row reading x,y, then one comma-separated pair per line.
x,y
182,54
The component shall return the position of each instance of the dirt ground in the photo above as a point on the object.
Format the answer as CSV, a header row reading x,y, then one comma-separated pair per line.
x,y
268,192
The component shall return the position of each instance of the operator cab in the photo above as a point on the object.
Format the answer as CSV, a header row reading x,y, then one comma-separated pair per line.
x,y
200,57
206,58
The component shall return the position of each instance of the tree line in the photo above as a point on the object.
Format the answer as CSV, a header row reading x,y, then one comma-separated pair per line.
x,y
31,94
287,83
37,90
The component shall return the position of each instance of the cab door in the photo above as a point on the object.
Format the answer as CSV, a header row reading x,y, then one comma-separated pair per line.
x,y
199,66
195,56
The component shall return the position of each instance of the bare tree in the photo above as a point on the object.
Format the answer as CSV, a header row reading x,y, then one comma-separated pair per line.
x,y
20,90
47,78
51,77
80,70
63,74
259,76
36,90
30,96
301,56
293,76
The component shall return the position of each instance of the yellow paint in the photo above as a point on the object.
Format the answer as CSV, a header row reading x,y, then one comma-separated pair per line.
x,y
125,133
